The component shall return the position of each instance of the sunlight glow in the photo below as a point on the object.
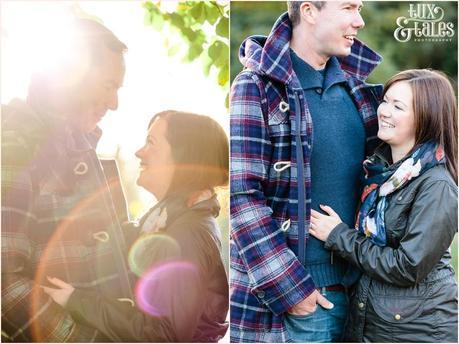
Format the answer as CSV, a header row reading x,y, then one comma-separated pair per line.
x,y
154,81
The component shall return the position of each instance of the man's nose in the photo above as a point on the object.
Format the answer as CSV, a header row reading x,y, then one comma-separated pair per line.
x,y
112,102
358,21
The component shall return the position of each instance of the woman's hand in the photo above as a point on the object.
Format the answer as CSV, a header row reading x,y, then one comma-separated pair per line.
x,y
60,295
322,225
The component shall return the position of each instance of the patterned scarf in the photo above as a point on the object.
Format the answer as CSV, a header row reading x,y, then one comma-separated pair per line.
x,y
382,180
167,210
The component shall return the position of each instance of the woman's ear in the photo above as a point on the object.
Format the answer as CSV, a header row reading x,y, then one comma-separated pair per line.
x,y
308,12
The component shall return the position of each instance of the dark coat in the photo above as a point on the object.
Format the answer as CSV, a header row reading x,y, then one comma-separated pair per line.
x,y
408,291
189,306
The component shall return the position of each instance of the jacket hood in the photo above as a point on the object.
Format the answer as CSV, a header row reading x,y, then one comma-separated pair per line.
x,y
168,210
210,205
18,112
42,124
271,56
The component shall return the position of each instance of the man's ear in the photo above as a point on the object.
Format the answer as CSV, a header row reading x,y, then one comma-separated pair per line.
x,y
308,12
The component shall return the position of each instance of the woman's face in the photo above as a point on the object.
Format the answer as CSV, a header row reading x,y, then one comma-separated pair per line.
x,y
396,116
156,164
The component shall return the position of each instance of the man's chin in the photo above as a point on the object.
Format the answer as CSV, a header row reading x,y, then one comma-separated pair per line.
x,y
345,52
89,127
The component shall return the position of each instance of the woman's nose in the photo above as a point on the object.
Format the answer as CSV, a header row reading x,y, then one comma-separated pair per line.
x,y
139,153
383,110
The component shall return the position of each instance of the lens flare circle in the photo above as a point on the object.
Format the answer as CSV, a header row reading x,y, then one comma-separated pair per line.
x,y
157,290
147,248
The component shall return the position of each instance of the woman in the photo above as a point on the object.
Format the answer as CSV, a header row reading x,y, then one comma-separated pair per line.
x,y
182,288
407,219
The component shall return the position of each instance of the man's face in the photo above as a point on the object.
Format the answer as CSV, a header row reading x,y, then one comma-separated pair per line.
x,y
98,92
336,25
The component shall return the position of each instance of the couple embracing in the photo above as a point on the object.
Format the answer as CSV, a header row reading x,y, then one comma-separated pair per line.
x,y
343,194
73,268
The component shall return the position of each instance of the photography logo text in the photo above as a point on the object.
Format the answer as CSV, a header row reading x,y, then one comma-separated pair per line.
x,y
424,23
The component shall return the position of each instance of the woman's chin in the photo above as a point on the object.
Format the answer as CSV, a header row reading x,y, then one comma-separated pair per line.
x,y
141,182
382,136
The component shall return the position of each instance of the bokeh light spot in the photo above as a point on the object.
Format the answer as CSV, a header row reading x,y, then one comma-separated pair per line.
x,y
148,249
158,291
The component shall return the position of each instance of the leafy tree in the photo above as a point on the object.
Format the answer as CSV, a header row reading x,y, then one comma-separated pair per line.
x,y
203,26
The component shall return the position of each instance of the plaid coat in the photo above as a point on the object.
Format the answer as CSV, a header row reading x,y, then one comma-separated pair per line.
x,y
271,140
59,220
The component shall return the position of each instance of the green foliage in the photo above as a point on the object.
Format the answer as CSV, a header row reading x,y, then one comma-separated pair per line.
x,y
204,28
379,33
454,258
249,18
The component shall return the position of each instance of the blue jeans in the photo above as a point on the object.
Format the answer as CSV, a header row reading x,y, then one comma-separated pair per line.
x,y
322,326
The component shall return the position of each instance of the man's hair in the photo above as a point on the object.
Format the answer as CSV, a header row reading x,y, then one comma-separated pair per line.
x,y
84,43
96,35
293,8
200,152
435,110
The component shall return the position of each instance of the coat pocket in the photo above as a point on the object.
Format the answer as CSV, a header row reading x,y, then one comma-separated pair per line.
x,y
399,305
279,123
398,310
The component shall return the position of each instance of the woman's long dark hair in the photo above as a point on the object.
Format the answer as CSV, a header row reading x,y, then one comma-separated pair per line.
x,y
435,110
200,151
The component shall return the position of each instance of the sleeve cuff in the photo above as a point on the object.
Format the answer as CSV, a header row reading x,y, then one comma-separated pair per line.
x,y
76,301
334,235
295,285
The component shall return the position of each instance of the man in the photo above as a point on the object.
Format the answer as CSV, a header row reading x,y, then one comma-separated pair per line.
x,y
58,216
302,119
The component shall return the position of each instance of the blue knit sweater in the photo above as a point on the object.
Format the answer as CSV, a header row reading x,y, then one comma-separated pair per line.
x,y
337,153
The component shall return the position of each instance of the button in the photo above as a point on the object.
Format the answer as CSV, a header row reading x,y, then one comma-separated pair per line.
x,y
261,294
122,299
283,106
361,305
397,317
319,90
101,236
400,198
285,225
81,168
282,165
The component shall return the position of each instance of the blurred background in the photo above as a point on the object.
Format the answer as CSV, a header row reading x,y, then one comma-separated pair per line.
x,y
258,17
177,59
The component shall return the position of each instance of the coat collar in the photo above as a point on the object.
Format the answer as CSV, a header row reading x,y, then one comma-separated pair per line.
x,y
43,125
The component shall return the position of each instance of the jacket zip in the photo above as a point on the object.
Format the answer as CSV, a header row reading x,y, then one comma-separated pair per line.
x,y
117,242
301,187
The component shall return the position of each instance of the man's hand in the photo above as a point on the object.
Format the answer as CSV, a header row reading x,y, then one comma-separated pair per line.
x,y
61,295
309,304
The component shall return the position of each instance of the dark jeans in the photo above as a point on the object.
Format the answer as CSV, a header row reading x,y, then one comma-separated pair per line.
x,y
322,326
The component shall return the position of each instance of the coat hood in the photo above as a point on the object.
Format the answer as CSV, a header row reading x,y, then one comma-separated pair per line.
x,y
270,55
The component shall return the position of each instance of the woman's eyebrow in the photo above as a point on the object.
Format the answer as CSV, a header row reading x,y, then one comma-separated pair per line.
x,y
394,99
